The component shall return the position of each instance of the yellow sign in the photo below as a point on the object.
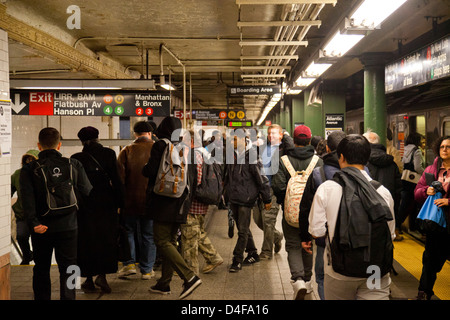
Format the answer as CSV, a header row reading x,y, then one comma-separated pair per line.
x,y
119,99
231,114
241,114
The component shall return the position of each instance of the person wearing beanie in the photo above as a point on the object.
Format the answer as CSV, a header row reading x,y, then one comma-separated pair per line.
x,y
98,215
22,229
137,222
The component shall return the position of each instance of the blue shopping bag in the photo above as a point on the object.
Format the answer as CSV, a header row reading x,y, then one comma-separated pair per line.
x,y
431,217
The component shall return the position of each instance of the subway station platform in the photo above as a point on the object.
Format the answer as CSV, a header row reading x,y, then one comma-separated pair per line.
x,y
265,280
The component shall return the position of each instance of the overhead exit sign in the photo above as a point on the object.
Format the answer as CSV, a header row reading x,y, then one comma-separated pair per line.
x,y
90,103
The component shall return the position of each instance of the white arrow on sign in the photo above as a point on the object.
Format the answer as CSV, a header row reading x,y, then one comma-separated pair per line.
x,y
17,106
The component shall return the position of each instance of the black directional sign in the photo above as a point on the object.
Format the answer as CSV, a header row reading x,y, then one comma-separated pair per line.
x,y
90,103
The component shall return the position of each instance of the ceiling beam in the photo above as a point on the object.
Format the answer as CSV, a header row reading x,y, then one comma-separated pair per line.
x,y
266,67
242,2
241,24
55,48
287,57
263,75
273,43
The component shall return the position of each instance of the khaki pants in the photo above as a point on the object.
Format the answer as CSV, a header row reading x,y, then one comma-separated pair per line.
x,y
355,290
194,240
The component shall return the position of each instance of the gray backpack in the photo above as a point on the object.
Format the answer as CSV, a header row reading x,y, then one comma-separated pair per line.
x,y
171,179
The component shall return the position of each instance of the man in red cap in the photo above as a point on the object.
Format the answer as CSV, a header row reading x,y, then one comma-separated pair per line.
x,y
299,158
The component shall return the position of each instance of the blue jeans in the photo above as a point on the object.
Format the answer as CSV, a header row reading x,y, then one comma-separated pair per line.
x,y
318,268
142,227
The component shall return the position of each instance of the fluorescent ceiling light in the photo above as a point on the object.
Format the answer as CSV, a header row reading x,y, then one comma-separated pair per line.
x,y
340,44
168,87
293,91
371,13
314,70
304,82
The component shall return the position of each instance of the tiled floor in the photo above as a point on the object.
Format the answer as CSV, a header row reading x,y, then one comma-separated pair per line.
x,y
266,280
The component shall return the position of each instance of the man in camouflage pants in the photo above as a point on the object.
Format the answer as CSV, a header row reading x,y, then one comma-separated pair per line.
x,y
193,235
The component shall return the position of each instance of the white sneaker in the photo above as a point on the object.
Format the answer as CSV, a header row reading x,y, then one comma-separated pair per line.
x,y
309,286
127,270
148,276
299,287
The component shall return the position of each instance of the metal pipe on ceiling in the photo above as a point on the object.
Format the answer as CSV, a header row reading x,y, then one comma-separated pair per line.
x,y
161,48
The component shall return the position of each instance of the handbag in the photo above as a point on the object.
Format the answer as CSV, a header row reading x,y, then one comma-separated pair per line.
x,y
410,176
408,173
431,217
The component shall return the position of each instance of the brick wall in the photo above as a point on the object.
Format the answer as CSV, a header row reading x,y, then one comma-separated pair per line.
x,y
5,181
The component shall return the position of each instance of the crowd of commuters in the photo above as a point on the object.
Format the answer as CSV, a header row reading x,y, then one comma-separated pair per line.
x,y
351,205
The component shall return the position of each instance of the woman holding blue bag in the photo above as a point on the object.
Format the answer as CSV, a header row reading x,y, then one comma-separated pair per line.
x,y
437,246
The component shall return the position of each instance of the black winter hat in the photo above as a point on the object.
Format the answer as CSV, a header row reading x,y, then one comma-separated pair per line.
x,y
88,133
142,126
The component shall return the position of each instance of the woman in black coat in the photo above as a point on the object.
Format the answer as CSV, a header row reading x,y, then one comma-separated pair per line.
x,y
97,216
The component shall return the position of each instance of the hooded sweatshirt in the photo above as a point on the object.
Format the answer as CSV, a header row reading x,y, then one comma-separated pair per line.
x,y
412,150
383,169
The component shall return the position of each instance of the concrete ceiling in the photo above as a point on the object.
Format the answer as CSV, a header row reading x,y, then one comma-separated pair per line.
x,y
204,35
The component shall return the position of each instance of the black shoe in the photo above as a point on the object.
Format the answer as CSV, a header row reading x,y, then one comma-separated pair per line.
x,y
421,295
251,259
27,259
277,244
102,283
190,286
88,286
235,266
160,289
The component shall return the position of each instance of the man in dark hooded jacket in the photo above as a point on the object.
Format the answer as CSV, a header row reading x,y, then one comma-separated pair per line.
x,y
300,262
318,176
383,169
168,214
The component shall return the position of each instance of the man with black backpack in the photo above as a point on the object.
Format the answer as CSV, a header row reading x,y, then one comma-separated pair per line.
x,y
359,231
48,191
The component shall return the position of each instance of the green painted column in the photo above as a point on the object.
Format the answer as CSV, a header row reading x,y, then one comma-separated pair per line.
x,y
298,111
313,116
375,114
282,115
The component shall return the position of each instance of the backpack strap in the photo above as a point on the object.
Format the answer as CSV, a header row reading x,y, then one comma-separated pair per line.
x,y
312,164
288,165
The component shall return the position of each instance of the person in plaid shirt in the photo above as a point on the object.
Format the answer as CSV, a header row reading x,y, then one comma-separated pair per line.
x,y
194,239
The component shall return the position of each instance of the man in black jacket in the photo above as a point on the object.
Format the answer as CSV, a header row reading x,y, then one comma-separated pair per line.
x,y
383,169
244,183
51,229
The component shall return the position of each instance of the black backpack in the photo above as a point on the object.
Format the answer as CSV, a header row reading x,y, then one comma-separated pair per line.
x,y
57,174
354,262
210,189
